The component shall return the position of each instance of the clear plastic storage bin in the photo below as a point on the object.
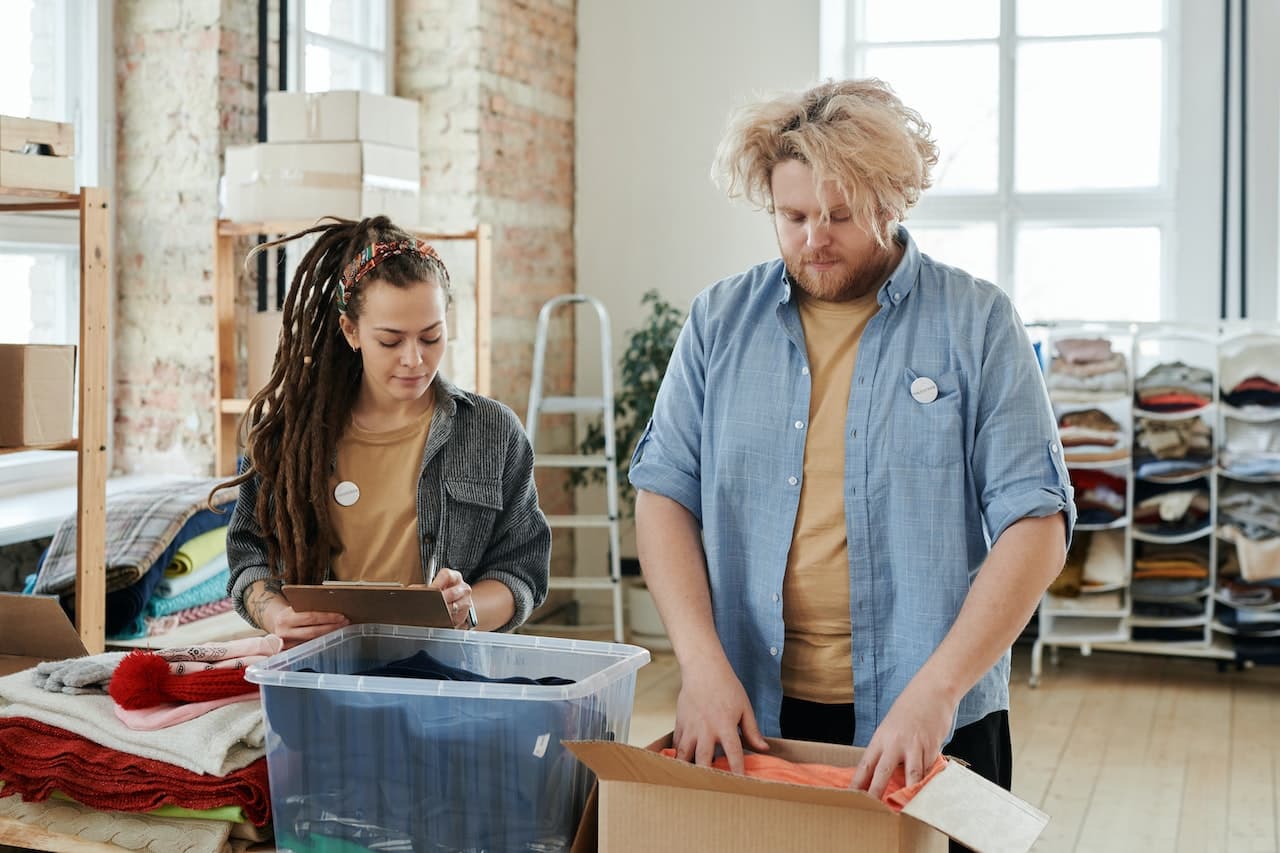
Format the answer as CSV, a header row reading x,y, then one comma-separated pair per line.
x,y
406,764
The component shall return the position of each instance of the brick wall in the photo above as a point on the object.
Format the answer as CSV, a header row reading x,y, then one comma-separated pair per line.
x,y
186,86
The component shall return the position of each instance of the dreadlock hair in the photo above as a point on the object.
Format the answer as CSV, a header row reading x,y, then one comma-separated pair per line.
x,y
295,420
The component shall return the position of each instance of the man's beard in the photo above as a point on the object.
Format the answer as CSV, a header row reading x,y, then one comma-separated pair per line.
x,y
840,284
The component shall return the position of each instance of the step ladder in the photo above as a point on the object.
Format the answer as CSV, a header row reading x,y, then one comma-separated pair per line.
x,y
540,405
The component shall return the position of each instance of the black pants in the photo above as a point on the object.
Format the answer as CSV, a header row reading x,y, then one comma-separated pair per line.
x,y
985,745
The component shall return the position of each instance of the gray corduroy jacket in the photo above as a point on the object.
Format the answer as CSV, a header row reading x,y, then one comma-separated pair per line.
x,y
477,506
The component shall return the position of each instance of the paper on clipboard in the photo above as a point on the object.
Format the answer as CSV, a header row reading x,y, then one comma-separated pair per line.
x,y
383,603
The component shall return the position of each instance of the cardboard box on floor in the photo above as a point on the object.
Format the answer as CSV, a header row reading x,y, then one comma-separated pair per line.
x,y
342,116
37,384
35,629
308,180
645,801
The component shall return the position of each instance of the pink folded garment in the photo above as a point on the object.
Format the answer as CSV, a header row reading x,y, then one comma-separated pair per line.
x,y
163,716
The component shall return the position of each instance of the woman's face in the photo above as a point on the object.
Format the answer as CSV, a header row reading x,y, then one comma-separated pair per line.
x,y
400,336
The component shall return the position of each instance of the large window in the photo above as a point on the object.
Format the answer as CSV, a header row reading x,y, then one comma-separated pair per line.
x,y
1055,124
344,44
55,64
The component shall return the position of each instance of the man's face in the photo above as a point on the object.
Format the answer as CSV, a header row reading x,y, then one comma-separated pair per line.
x,y
834,261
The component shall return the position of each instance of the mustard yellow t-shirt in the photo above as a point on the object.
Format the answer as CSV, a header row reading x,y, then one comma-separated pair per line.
x,y
379,531
817,662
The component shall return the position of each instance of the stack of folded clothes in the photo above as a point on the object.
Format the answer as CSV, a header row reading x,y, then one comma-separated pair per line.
x,y
1091,435
175,738
1172,511
1174,387
1172,449
1250,375
1249,517
148,531
1087,368
1100,496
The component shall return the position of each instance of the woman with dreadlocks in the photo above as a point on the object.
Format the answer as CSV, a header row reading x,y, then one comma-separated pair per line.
x,y
365,463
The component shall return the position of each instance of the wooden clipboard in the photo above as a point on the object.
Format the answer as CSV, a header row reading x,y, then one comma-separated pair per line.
x,y
384,603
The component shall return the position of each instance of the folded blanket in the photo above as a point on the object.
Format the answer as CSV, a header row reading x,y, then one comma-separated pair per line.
x,y
173,586
36,759
197,552
208,590
140,523
222,740
147,833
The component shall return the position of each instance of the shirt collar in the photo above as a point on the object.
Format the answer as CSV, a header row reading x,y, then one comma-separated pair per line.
x,y
893,291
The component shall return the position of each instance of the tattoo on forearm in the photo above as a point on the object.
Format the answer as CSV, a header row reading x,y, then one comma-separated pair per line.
x,y
261,593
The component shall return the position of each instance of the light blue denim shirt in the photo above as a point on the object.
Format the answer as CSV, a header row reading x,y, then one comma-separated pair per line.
x,y
928,485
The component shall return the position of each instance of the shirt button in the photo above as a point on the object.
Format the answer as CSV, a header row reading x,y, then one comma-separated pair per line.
x,y
897,297
773,650
804,371
861,379
1053,448
775,597
791,481
799,424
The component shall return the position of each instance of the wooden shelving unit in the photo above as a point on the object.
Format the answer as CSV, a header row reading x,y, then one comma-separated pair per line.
x,y
91,444
229,408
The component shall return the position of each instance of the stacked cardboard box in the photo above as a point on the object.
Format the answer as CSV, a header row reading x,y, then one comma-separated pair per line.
x,y
347,154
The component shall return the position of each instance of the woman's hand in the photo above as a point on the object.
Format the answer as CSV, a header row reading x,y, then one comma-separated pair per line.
x,y
294,627
457,596
271,611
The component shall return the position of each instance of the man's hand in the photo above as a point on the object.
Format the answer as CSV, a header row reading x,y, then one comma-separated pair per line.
x,y
911,735
711,709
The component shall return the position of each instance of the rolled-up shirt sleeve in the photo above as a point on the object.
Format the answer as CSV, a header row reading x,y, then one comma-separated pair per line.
x,y
1018,465
667,458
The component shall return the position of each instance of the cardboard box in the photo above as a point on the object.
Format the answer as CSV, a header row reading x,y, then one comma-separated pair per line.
x,y
37,155
37,384
646,801
35,629
308,180
342,117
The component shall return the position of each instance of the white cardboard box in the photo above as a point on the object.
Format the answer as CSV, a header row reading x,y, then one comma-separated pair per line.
x,y
342,117
308,180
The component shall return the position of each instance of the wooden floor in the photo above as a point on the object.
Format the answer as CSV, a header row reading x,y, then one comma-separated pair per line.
x,y
1124,752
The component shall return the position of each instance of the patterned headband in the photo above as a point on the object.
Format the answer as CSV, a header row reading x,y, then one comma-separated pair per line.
x,y
371,256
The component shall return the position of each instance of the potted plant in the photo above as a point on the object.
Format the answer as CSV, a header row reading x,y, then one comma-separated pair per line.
x,y
642,366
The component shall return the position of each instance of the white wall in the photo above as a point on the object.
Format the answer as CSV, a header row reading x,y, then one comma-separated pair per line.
x,y
656,82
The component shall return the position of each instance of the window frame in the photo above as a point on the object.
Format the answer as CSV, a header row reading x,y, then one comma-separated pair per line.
x,y
300,37
1188,204
86,53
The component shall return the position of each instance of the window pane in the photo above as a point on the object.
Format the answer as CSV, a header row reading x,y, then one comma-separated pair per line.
x,y
1088,115
971,246
1088,273
359,21
956,90
1089,17
16,66
927,20
41,297
331,69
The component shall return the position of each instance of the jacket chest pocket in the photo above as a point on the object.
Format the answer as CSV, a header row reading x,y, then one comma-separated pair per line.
x,y
928,417
471,510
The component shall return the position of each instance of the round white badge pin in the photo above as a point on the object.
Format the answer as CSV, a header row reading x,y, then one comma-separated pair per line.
x,y
346,493
924,390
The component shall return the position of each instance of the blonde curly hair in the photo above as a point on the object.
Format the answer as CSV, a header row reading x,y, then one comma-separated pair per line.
x,y
856,133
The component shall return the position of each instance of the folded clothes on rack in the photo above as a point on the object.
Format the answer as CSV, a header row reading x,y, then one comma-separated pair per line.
x,y
1248,359
1087,367
1255,395
1174,387
1188,439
